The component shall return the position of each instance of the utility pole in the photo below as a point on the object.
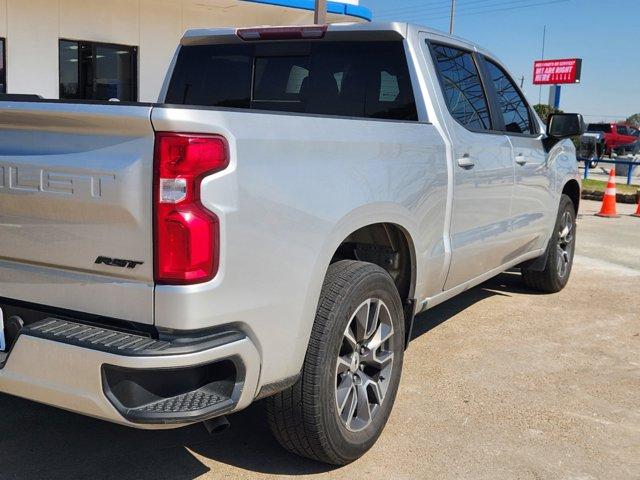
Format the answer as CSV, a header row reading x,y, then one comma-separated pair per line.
x,y
453,16
320,14
544,41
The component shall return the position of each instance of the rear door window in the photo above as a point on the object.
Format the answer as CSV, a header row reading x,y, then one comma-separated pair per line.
x,y
462,86
355,79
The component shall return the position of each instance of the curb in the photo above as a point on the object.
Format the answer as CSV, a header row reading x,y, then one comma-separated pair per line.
x,y
631,198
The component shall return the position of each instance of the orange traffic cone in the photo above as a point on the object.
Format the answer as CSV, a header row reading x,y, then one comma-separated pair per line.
x,y
609,200
637,214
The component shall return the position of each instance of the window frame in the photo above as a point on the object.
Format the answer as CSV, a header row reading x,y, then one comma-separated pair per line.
x,y
3,54
490,103
535,128
135,67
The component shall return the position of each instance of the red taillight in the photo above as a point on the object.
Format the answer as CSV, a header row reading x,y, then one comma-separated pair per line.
x,y
187,235
282,33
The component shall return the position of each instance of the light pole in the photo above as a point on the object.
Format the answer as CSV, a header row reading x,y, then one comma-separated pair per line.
x,y
320,14
453,16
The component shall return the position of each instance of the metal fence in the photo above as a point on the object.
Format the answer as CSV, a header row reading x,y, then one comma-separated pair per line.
x,y
630,166
591,151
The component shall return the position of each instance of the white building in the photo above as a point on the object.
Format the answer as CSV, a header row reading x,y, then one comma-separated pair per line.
x,y
102,49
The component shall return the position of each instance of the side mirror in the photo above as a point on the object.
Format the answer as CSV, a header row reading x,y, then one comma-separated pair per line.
x,y
565,125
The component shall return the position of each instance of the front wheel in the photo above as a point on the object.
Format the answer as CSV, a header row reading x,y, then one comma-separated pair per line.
x,y
342,400
560,253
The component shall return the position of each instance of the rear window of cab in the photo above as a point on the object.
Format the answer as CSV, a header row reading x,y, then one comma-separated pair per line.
x,y
352,79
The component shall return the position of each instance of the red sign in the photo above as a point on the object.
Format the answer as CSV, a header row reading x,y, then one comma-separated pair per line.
x,y
554,72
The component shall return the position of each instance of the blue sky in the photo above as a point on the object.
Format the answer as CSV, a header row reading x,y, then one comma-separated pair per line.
x,y
606,35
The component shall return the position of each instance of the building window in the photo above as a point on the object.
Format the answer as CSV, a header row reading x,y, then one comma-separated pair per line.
x,y
98,71
3,68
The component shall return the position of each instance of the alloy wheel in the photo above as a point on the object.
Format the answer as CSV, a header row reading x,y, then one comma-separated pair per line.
x,y
565,245
364,365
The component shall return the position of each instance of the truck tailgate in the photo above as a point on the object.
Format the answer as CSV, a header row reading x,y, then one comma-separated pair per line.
x,y
76,207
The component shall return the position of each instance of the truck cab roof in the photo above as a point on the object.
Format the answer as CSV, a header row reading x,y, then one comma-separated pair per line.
x,y
334,32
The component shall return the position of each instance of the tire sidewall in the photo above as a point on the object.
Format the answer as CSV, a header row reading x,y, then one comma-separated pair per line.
x,y
375,284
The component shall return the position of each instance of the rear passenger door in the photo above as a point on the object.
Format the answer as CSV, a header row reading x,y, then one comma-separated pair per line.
x,y
533,208
483,171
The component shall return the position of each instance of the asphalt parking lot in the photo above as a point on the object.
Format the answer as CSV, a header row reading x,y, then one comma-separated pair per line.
x,y
499,383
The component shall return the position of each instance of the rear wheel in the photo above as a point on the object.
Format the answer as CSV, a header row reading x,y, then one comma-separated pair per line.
x,y
341,403
560,253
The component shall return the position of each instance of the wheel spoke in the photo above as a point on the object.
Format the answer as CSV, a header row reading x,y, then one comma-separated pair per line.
x,y
374,387
344,365
382,334
345,388
352,404
350,340
374,320
362,321
364,409
380,359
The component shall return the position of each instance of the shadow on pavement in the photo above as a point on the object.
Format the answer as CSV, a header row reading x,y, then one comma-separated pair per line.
x,y
37,441
504,284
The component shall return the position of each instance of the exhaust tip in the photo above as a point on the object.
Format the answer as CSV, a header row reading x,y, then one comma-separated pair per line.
x,y
217,425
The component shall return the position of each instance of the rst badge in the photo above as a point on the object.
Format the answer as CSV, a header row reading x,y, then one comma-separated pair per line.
x,y
117,262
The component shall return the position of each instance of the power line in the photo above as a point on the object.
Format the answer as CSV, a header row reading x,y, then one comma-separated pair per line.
x,y
512,8
416,7
480,12
442,6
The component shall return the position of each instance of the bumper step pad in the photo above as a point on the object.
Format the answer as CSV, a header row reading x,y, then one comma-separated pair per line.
x,y
188,407
188,402
123,343
96,338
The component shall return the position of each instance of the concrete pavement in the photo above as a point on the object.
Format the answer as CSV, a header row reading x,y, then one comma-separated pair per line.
x,y
499,383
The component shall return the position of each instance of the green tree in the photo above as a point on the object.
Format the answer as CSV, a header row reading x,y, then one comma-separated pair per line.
x,y
544,111
634,120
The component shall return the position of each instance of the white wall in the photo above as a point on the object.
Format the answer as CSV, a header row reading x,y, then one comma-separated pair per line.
x,y
33,27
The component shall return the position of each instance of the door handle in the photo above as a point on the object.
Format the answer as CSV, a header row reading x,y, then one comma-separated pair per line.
x,y
466,162
521,160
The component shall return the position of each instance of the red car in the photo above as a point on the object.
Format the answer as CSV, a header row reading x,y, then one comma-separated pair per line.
x,y
617,137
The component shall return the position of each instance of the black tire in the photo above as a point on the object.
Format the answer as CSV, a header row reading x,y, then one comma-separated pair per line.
x,y
304,418
554,277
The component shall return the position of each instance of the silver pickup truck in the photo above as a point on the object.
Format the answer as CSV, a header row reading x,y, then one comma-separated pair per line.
x,y
271,227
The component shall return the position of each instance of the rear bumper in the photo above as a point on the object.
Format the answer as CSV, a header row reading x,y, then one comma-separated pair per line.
x,y
164,386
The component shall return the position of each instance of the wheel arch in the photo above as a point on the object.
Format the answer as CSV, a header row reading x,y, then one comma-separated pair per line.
x,y
572,189
390,245
371,216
